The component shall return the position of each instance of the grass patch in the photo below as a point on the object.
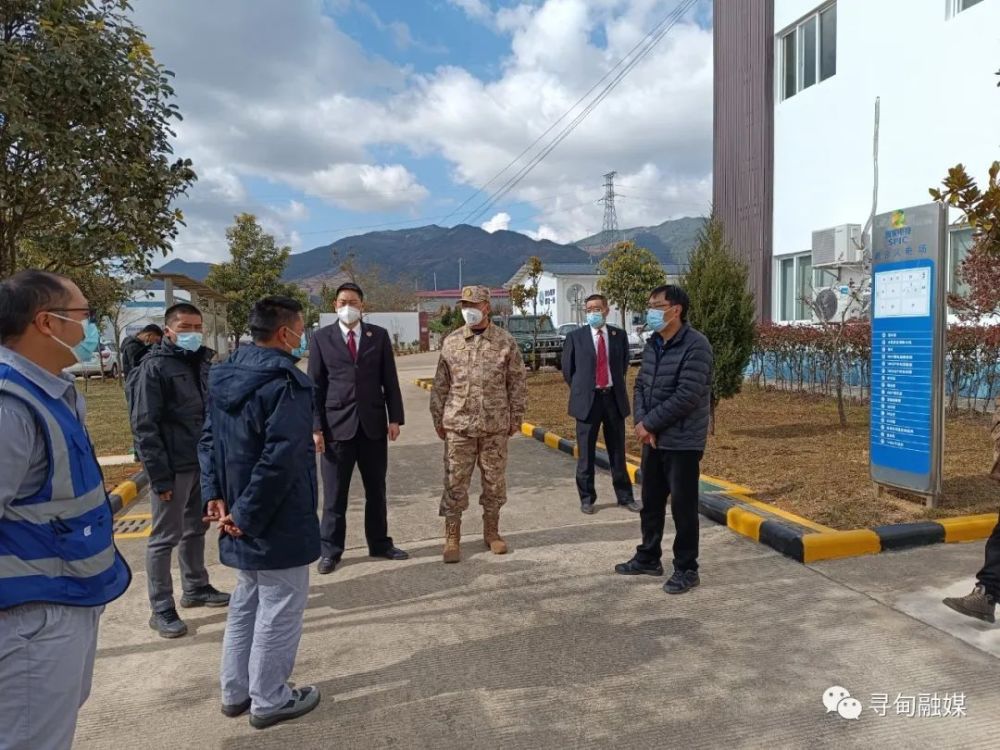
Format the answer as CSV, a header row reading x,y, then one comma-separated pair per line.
x,y
788,448
107,416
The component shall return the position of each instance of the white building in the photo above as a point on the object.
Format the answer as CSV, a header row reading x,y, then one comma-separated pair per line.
x,y
931,63
795,89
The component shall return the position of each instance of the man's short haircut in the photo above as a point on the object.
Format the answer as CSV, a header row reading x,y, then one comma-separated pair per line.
x,y
153,329
350,286
181,308
675,295
24,295
270,314
596,297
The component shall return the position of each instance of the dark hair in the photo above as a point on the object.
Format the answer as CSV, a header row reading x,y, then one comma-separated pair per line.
x,y
592,297
152,328
675,295
181,308
26,294
350,286
270,314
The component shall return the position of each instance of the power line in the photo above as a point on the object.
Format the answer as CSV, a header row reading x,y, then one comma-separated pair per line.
x,y
654,37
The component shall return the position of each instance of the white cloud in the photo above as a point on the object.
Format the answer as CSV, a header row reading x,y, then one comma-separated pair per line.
x,y
500,221
477,9
294,211
366,187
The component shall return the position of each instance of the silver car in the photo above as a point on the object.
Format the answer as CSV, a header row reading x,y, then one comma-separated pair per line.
x,y
103,363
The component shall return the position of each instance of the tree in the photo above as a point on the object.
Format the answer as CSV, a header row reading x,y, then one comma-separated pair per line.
x,y
253,271
86,167
381,295
630,274
721,308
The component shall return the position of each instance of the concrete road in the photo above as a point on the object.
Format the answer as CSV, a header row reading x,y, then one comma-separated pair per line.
x,y
547,648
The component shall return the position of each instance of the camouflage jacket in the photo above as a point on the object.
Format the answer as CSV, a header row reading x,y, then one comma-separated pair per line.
x,y
479,387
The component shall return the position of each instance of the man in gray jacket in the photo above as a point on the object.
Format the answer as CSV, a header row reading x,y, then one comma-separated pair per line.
x,y
671,410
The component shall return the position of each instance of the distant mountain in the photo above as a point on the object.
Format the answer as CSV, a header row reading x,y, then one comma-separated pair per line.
x,y
416,255
671,242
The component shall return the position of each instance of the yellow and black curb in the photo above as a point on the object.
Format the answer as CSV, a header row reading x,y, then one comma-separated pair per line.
x,y
794,536
126,493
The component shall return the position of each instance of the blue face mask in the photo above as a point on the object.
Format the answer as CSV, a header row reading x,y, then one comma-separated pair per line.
x,y
655,320
87,348
190,341
300,350
595,319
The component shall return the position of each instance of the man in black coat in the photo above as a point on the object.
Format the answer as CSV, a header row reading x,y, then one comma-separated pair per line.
x,y
134,348
672,407
358,406
595,366
167,411
258,471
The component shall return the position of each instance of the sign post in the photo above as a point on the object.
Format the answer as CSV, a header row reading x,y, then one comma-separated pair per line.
x,y
908,313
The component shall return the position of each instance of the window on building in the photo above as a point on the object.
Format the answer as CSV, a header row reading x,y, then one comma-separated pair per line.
x,y
808,51
957,6
960,242
798,284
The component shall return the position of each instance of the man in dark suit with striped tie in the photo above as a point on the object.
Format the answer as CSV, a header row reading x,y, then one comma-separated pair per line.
x,y
594,364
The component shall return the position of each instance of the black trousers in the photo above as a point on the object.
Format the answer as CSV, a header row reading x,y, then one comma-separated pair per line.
x,y
672,474
604,413
989,576
337,467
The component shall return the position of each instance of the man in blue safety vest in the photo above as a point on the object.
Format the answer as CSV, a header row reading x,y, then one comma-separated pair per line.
x,y
58,562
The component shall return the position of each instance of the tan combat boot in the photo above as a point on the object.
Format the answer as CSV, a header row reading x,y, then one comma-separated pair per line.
x,y
491,533
452,538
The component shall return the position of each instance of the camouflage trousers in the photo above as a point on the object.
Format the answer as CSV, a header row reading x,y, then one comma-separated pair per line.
x,y
461,454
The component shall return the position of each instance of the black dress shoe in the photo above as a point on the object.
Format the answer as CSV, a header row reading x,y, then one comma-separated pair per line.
x,y
588,508
393,553
326,565
632,505
635,568
232,710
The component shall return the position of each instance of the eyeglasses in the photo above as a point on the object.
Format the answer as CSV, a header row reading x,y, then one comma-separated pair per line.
x,y
661,305
91,312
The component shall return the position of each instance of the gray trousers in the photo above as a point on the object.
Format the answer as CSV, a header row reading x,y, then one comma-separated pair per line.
x,y
176,523
263,628
46,666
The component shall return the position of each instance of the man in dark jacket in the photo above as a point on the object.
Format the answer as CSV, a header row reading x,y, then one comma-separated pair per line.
x,y
167,410
134,348
671,412
358,406
595,367
258,469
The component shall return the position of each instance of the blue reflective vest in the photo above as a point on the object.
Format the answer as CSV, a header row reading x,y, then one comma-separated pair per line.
x,y
57,545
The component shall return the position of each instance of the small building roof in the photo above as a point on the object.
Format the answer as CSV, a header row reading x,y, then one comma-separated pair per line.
x,y
190,285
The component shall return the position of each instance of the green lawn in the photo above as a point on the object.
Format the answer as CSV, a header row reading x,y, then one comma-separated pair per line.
x,y
107,416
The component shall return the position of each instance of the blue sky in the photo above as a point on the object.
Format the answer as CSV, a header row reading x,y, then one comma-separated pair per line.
x,y
327,118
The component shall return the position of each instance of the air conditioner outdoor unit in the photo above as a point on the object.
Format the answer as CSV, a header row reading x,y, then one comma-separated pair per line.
x,y
836,246
836,303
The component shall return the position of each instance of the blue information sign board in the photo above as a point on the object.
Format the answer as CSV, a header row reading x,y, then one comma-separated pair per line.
x,y
907,314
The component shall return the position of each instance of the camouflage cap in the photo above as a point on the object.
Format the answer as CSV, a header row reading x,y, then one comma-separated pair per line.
x,y
475,294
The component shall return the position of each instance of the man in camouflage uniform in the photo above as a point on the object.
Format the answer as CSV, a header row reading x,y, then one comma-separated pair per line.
x,y
477,403
982,602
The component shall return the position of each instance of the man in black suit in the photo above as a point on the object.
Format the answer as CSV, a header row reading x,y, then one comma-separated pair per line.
x,y
358,405
594,364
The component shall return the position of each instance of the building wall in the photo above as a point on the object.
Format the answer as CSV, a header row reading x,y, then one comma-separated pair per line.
x,y
940,106
743,135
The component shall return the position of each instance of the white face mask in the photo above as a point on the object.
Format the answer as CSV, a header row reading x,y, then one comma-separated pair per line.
x,y
349,315
472,316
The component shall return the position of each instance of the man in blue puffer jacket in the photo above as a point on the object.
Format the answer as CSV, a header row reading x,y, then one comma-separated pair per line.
x,y
672,404
258,467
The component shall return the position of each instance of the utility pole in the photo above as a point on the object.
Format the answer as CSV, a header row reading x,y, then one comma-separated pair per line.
x,y
609,232
435,281
460,274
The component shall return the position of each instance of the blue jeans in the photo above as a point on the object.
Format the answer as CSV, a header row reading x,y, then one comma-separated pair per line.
x,y
263,629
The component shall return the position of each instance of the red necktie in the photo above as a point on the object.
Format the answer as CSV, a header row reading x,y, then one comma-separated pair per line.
x,y
351,346
602,361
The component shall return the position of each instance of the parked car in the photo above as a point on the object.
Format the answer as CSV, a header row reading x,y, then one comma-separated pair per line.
x,y
529,330
566,329
103,363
